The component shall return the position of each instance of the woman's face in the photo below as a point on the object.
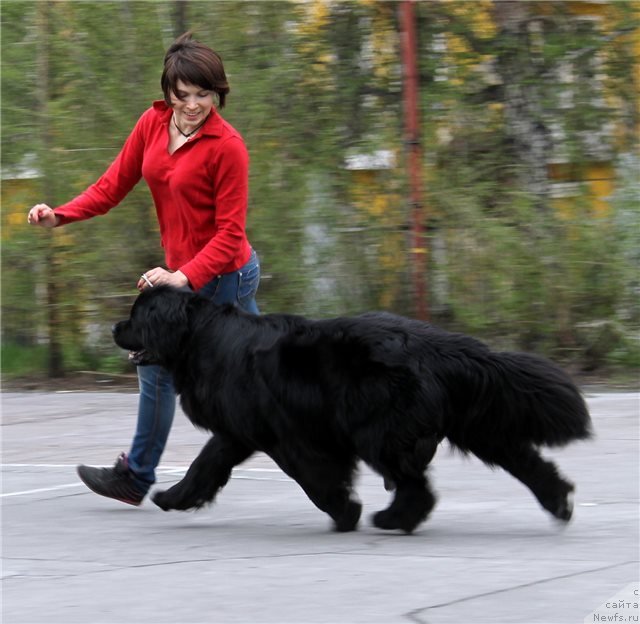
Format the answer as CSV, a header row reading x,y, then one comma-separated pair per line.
x,y
191,105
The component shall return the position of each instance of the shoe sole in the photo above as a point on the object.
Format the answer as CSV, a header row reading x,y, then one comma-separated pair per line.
x,y
128,501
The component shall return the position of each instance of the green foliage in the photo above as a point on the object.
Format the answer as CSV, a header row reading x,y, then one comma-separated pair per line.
x,y
313,83
19,360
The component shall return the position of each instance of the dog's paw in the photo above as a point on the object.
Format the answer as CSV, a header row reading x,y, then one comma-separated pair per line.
x,y
560,506
384,520
563,510
162,500
348,521
178,499
390,520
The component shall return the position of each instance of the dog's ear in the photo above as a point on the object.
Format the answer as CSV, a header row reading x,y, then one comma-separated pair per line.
x,y
162,318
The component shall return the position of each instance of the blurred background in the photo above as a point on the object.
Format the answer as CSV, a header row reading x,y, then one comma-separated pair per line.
x,y
471,163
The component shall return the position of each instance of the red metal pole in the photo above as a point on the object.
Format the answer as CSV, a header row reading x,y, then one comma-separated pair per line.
x,y
418,243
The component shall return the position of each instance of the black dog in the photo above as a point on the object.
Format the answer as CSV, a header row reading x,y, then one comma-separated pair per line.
x,y
318,395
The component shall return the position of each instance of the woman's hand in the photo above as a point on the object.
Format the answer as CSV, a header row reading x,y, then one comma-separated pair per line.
x,y
42,215
161,277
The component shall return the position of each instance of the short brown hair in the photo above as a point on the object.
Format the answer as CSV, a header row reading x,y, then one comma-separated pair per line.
x,y
193,63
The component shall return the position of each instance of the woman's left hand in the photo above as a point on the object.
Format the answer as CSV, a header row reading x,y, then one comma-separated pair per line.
x,y
162,277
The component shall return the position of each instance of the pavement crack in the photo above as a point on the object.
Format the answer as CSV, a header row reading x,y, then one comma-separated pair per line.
x,y
417,615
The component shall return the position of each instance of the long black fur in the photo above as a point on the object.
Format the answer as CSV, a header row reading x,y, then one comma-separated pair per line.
x,y
317,396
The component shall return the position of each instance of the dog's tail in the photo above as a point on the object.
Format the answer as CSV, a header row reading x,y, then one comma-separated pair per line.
x,y
519,398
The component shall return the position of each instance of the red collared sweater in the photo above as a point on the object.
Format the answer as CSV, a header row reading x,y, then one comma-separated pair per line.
x,y
200,193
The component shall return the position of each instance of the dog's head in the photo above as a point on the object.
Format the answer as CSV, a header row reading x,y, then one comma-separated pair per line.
x,y
157,326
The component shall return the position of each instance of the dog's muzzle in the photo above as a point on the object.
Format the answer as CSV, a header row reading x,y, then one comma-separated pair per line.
x,y
142,358
138,358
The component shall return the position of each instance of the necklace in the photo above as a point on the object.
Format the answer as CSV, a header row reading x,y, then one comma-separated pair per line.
x,y
187,135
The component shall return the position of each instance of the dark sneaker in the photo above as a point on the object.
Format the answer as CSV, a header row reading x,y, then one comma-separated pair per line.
x,y
117,482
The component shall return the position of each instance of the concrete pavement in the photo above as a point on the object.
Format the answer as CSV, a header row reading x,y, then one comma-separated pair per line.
x,y
264,554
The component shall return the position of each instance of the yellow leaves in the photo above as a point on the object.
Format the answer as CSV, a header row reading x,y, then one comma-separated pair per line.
x,y
65,238
380,48
326,58
384,53
17,197
462,61
457,45
592,185
379,205
15,220
478,14
315,16
382,209
586,8
320,11
383,42
370,197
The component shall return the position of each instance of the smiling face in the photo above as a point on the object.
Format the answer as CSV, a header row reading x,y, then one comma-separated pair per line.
x,y
189,63
191,105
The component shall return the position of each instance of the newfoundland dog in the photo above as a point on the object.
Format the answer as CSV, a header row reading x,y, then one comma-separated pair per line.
x,y
318,395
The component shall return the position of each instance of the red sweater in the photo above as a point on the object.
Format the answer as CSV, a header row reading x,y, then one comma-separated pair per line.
x,y
200,193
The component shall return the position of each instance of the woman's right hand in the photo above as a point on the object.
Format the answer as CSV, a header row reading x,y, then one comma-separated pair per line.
x,y
42,215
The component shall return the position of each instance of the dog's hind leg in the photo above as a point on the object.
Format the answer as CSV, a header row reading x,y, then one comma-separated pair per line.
x,y
411,505
404,464
542,477
209,472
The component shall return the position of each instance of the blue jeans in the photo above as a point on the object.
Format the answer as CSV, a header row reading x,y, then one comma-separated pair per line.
x,y
157,402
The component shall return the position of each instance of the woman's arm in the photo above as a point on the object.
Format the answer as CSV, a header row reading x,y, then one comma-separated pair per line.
x,y
109,190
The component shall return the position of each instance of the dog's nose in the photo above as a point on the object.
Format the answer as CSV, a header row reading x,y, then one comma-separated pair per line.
x,y
114,327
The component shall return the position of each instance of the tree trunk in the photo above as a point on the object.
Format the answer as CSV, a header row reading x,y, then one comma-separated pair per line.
x,y
55,357
517,66
180,17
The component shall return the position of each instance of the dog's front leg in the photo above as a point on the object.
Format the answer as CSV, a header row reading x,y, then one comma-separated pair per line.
x,y
207,474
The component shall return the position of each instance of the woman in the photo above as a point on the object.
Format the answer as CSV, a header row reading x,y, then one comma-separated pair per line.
x,y
196,166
